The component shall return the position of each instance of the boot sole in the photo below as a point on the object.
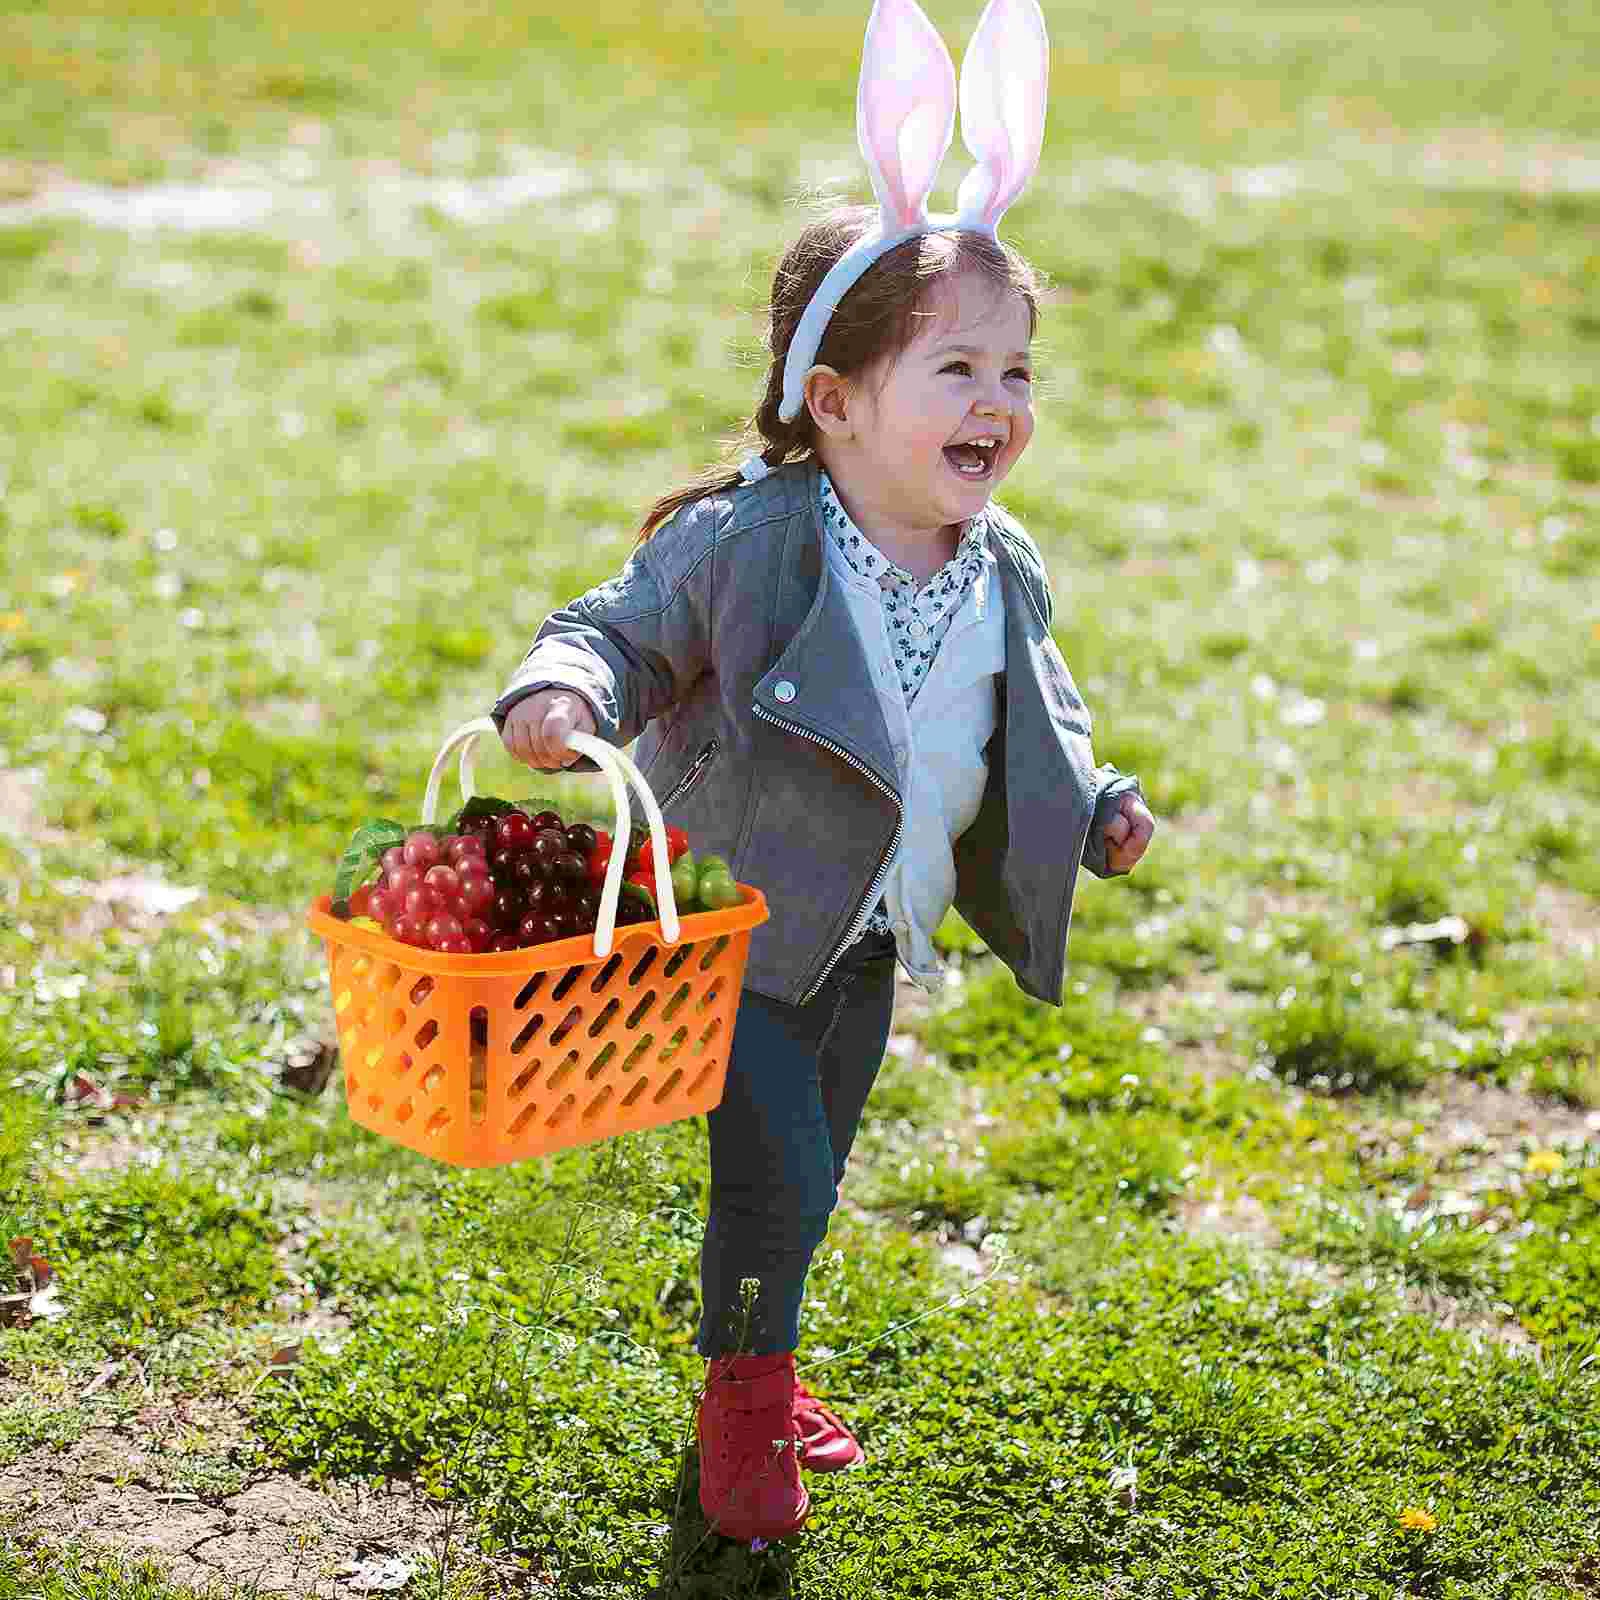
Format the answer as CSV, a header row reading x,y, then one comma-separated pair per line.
x,y
834,1466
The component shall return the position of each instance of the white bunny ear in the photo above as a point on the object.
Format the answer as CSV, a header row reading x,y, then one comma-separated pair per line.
x,y
1004,75
905,109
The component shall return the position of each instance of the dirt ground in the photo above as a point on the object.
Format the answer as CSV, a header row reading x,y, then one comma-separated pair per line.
x,y
117,1490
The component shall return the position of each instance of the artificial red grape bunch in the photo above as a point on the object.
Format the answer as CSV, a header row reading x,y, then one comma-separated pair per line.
x,y
502,877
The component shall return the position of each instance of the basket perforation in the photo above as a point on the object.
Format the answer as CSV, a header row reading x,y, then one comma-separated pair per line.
x,y
566,1024
645,962
528,991
529,1029
603,1018
640,1011
564,986
478,1064
567,1063
606,973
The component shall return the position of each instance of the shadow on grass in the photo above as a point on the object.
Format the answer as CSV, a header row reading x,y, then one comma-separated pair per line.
x,y
700,1564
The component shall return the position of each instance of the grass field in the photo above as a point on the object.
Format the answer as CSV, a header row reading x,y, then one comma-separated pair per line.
x,y
1269,1266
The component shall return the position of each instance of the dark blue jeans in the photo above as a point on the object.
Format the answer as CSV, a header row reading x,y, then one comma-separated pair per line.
x,y
798,1077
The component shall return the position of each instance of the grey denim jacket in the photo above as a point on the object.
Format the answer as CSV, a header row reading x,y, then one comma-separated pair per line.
x,y
726,648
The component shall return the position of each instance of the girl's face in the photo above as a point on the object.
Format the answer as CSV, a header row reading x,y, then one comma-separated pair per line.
x,y
938,428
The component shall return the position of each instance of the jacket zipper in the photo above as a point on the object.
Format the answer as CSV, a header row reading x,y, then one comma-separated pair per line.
x,y
865,909
690,777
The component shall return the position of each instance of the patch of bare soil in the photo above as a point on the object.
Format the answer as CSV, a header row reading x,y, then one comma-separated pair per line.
x,y
19,808
122,1491
1237,1217
1571,921
1473,1126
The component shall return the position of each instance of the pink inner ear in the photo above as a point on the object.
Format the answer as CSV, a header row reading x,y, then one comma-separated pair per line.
x,y
905,107
1004,79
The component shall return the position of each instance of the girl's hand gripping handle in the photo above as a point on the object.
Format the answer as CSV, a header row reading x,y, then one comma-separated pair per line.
x,y
621,772
536,728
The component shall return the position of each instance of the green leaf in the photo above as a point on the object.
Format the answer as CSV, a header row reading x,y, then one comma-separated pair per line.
x,y
363,853
535,803
480,805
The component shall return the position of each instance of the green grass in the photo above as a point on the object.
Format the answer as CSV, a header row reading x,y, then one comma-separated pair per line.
x,y
1191,1288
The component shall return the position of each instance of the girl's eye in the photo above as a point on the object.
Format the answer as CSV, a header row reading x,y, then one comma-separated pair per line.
x,y
1021,372
952,366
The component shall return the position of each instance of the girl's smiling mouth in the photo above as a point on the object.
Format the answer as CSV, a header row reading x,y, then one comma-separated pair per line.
x,y
974,459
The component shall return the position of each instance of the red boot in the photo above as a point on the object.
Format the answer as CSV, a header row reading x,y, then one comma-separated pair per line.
x,y
749,1469
826,1445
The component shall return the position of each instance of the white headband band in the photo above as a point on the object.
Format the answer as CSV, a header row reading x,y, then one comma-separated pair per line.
x,y
905,114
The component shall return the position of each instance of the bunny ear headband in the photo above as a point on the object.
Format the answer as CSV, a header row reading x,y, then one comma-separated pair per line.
x,y
905,112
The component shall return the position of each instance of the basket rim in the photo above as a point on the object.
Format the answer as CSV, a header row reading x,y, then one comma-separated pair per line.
x,y
694,926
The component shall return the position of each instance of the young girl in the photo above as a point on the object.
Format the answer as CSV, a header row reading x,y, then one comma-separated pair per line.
x,y
838,662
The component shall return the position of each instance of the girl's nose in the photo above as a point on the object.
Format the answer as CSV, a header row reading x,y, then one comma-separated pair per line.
x,y
997,403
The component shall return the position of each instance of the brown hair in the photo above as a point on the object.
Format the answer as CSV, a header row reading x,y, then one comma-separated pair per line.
x,y
876,318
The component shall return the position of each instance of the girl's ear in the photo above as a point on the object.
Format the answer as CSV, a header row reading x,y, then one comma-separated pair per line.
x,y
1004,76
827,398
905,109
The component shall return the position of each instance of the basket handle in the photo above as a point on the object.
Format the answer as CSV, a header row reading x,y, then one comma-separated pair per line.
x,y
621,771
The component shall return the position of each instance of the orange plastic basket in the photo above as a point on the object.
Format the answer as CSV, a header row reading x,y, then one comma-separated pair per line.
x,y
480,1060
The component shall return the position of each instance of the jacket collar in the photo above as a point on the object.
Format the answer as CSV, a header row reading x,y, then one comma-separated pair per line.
x,y
824,665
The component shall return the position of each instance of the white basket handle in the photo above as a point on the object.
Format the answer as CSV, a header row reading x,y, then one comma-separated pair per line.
x,y
621,771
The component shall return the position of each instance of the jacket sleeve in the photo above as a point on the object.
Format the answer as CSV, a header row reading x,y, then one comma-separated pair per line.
x,y
632,646
1113,785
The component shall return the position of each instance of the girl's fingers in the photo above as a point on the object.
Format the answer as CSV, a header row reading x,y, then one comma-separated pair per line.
x,y
514,736
558,723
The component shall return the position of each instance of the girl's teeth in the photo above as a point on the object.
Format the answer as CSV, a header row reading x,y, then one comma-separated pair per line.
x,y
969,468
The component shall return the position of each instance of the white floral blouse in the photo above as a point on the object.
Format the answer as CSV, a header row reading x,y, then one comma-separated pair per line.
x,y
918,616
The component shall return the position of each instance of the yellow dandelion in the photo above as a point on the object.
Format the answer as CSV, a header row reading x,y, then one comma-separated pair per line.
x,y
1416,1517
13,622
1545,1162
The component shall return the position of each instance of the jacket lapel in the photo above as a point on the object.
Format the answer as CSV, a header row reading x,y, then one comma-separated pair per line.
x,y
822,680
